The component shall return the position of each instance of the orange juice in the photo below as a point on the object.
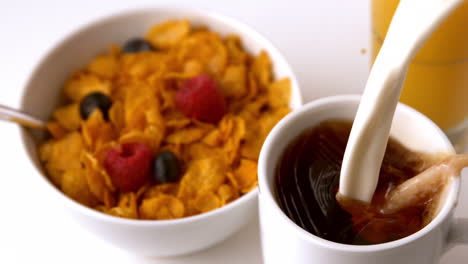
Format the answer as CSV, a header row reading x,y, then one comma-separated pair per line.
x,y
437,80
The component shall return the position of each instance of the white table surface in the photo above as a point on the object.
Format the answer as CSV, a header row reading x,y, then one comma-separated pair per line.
x,y
322,40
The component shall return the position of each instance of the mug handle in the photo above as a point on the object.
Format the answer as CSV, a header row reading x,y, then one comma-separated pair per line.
x,y
459,137
458,233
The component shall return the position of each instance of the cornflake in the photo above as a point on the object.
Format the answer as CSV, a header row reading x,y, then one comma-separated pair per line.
x,y
218,161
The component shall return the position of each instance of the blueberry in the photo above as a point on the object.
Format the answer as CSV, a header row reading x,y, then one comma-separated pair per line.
x,y
137,45
166,167
92,101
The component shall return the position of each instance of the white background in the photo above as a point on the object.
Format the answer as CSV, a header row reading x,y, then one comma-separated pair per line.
x,y
322,40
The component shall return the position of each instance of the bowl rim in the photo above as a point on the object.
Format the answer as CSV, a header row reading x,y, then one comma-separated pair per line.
x,y
123,14
267,193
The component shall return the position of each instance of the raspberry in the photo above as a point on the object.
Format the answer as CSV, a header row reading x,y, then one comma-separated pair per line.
x,y
200,98
129,165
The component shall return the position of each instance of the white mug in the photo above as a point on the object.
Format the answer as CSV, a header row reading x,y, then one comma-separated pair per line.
x,y
285,242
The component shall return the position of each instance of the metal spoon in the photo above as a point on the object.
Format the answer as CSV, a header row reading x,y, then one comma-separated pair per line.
x,y
12,115
412,24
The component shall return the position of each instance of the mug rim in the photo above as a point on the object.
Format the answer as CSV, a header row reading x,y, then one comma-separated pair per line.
x,y
266,193
239,26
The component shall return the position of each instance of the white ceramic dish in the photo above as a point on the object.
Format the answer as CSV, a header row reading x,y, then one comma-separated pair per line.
x,y
42,94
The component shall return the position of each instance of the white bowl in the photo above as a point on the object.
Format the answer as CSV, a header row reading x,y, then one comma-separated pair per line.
x,y
42,95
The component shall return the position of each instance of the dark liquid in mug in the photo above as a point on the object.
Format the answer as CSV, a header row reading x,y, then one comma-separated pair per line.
x,y
307,178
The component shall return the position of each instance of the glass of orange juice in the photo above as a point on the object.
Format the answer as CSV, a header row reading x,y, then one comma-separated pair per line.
x,y
437,79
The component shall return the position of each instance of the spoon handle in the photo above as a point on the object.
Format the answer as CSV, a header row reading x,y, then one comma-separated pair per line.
x,y
12,115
